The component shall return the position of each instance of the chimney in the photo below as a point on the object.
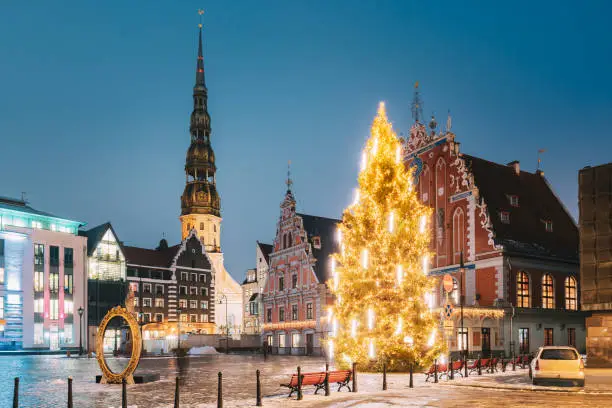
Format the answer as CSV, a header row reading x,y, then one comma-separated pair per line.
x,y
516,165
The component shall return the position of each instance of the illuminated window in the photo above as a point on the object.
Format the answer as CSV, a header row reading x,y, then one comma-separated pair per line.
x,y
309,310
548,225
68,307
281,314
134,287
294,280
522,290
39,337
281,340
159,302
570,293
523,340
39,267
454,295
269,315
184,318
504,217
54,309
514,200
462,338
204,318
204,304
548,294
67,333
37,224
146,302
294,312
183,303
193,304
135,301
39,305
295,340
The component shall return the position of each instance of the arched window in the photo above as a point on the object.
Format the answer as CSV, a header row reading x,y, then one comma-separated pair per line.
x,y
548,292
454,295
570,293
424,185
440,179
522,290
202,226
458,234
284,241
290,239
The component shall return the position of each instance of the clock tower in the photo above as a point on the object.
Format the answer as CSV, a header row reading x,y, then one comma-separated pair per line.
x,y
200,202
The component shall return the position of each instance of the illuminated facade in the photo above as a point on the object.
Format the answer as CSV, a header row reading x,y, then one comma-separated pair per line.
x,y
107,283
42,278
200,201
520,247
172,284
252,290
295,296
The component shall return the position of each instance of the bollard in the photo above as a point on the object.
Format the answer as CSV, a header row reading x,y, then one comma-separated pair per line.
x,y
69,392
123,393
384,376
354,377
326,379
176,393
450,367
411,385
479,365
299,384
220,391
435,371
16,393
258,402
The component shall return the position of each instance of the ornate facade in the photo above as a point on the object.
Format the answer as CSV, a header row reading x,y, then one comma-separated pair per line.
x,y
519,242
201,204
295,296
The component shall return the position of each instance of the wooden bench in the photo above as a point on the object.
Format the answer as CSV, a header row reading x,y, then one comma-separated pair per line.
x,y
457,368
442,369
341,378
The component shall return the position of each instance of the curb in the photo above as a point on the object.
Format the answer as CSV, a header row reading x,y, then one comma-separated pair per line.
x,y
532,389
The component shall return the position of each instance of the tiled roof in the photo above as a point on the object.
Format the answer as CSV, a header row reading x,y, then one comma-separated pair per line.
x,y
325,228
526,232
266,249
150,257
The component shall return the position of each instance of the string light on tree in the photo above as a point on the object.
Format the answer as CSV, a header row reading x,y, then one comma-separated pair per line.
x,y
384,249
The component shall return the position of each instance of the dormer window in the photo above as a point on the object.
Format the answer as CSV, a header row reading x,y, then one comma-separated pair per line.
x,y
548,225
504,217
316,242
514,200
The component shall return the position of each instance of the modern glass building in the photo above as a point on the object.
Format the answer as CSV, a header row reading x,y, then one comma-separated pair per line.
x,y
42,278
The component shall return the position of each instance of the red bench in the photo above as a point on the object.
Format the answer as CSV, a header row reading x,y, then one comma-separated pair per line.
x,y
484,362
442,369
457,367
341,378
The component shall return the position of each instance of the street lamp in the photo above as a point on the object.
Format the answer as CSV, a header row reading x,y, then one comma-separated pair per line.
x,y
226,323
80,310
464,337
179,331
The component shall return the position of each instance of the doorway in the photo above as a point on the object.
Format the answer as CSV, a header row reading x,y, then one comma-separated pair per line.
x,y
54,338
309,344
486,342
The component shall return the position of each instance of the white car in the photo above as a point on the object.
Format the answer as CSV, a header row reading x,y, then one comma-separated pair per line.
x,y
557,363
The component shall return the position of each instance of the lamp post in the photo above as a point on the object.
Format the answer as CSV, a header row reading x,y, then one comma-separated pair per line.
x,y
464,337
80,310
179,330
226,323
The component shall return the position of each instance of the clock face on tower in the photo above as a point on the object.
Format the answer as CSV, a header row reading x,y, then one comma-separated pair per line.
x,y
417,163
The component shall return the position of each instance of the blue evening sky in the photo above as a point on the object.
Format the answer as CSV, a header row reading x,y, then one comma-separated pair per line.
x,y
95,99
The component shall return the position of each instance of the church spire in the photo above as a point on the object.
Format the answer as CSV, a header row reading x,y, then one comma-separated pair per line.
x,y
200,83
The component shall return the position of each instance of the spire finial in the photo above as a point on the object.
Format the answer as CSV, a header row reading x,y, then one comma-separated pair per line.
x,y
200,12
449,121
200,64
540,151
289,182
417,105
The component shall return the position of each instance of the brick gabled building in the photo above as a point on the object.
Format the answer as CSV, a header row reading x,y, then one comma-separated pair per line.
x,y
295,296
519,242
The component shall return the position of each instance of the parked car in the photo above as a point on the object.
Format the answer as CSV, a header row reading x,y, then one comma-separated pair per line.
x,y
557,363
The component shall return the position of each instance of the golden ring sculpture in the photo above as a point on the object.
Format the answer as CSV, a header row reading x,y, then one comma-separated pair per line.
x,y
108,376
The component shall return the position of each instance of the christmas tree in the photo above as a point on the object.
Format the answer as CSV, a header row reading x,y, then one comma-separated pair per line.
x,y
382,311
